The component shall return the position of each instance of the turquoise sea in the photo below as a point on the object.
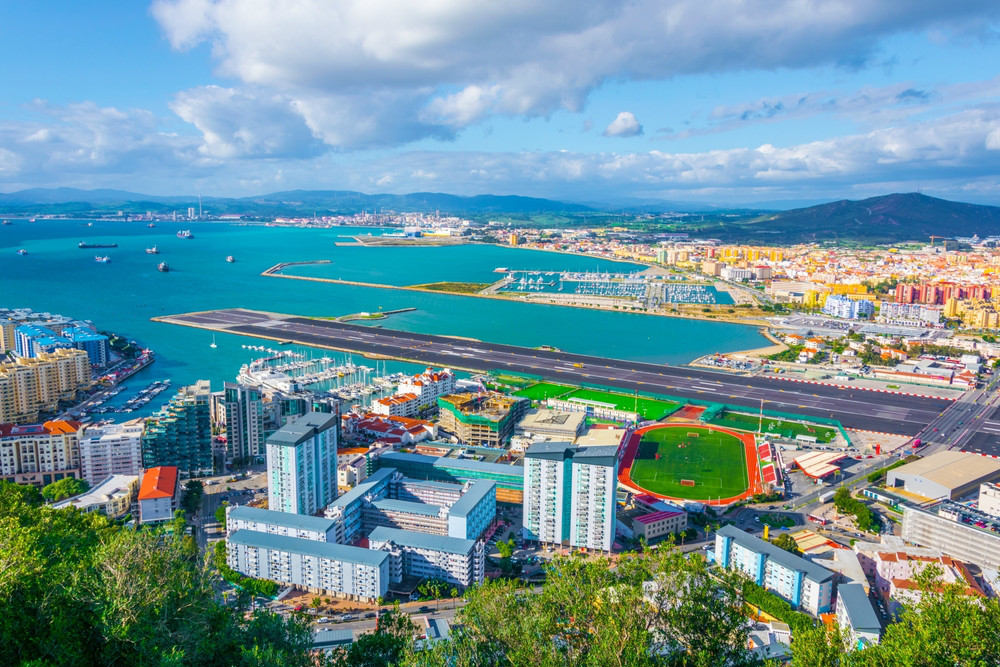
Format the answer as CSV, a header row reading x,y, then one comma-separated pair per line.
x,y
58,277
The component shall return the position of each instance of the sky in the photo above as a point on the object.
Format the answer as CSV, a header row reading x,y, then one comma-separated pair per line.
x,y
726,102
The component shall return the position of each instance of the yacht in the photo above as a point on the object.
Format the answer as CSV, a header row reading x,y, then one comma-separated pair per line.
x,y
22,251
153,251
162,267
185,234
102,260
213,345
230,259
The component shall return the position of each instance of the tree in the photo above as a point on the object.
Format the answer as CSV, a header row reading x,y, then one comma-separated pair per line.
x,y
316,602
506,548
220,513
817,647
194,490
391,644
67,487
786,542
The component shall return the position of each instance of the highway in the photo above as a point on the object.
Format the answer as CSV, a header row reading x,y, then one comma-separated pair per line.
x,y
855,408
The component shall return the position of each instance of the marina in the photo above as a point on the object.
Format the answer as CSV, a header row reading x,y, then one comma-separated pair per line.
x,y
651,291
145,395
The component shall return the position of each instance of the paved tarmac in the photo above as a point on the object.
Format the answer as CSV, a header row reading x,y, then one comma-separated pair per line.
x,y
889,413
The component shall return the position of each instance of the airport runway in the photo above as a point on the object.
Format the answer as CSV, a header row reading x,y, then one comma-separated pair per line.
x,y
857,409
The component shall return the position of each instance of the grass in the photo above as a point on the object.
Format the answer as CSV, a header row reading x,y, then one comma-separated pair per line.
x,y
543,390
514,380
454,288
648,408
780,427
715,462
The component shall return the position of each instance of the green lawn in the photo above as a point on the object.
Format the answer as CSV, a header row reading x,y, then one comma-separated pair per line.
x,y
648,408
715,462
543,390
779,427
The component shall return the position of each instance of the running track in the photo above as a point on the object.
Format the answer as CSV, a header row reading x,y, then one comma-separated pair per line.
x,y
749,453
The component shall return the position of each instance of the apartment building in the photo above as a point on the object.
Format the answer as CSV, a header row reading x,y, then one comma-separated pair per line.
x,y
112,449
159,494
244,517
801,583
399,405
112,497
180,433
243,407
416,554
896,574
32,386
322,568
956,530
428,386
302,464
856,617
39,454
569,495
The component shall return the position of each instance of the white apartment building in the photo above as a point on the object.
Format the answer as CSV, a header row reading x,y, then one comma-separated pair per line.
x,y
113,449
244,517
39,454
428,386
318,567
896,573
800,582
856,617
450,559
112,497
569,495
953,529
243,407
302,464
399,405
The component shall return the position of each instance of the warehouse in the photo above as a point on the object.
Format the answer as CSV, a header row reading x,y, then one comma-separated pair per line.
x,y
945,475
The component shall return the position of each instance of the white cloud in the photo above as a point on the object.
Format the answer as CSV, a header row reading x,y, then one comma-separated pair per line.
x,y
452,63
625,125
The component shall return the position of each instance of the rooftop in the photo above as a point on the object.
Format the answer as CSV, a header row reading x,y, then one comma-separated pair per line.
x,y
775,554
859,608
415,540
951,469
472,497
159,482
362,489
303,429
297,545
407,506
105,490
285,519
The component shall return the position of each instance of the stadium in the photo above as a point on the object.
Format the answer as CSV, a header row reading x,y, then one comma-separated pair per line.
x,y
696,462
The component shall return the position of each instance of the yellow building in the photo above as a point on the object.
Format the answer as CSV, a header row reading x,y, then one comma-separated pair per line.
x,y
7,334
953,307
513,239
31,386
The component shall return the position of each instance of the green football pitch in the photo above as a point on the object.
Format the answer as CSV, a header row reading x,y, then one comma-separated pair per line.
x,y
543,390
714,462
648,408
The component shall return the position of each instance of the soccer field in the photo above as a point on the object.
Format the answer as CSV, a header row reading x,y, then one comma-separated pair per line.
x,y
543,390
777,427
712,465
648,408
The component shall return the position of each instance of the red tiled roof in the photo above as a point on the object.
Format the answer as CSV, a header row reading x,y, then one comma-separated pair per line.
x,y
158,482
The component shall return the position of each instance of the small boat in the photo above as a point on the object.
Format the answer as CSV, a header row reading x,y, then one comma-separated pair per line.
x,y
102,260
151,225
230,259
162,267
213,345
90,224
153,251
22,251
185,234
7,222
32,219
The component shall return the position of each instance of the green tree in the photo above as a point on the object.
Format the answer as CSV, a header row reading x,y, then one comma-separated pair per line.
x,y
506,548
220,513
391,644
194,491
66,487
817,647
786,542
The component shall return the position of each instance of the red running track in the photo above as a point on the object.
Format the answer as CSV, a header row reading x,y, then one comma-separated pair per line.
x,y
749,453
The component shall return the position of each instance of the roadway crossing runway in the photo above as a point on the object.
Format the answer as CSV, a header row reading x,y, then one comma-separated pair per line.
x,y
855,408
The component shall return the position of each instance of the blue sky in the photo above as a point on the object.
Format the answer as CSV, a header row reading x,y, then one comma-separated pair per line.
x,y
720,101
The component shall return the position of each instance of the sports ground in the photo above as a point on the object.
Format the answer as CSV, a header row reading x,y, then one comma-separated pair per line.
x,y
779,427
709,464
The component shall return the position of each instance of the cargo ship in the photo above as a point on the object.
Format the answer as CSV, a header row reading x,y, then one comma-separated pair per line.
x,y
84,244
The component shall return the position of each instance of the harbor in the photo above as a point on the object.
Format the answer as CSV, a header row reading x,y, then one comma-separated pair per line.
x,y
642,288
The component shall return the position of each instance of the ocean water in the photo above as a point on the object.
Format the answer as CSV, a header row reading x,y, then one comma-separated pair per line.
x,y
58,277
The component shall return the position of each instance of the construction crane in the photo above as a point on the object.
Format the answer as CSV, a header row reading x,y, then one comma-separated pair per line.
x,y
944,241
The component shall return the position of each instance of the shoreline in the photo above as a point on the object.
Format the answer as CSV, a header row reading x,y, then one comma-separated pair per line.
x,y
707,317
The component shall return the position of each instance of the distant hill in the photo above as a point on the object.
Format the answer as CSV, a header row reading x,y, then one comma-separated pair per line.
x,y
885,219
295,202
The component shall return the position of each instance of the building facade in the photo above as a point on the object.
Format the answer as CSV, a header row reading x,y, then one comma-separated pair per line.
x,y
32,386
159,494
454,560
570,495
801,583
180,434
112,497
484,420
39,454
302,464
989,499
856,617
244,517
509,479
112,449
953,529
318,567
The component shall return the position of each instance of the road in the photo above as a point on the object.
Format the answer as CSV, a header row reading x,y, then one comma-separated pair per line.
x,y
858,409
972,423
